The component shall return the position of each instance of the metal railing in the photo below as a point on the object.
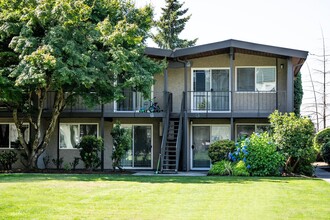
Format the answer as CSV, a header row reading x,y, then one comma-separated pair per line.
x,y
180,132
165,128
228,101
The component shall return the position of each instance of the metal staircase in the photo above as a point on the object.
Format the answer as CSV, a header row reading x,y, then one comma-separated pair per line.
x,y
171,143
169,164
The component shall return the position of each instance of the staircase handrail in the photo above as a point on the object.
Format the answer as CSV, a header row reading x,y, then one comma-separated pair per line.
x,y
165,127
180,132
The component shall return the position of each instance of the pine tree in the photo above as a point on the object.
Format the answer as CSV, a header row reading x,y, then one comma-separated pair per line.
x,y
171,24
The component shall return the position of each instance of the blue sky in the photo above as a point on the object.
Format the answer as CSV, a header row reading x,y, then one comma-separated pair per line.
x,y
293,24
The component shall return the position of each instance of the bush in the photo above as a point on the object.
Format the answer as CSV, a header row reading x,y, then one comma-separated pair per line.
x,y
90,146
240,169
219,150
122,141
7,159
321,138
262,159
325,152
293,136
221,168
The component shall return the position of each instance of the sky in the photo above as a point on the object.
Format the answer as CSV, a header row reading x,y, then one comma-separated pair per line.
x,y
296,24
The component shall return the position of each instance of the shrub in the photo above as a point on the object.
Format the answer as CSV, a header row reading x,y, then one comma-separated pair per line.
x,y
58,162
321,138
222,168
90,146
122,141
262,158
240,169
293,136
325,152
219,150
7,159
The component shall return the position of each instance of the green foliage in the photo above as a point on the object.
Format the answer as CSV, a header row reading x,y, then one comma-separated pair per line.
x,y
222,168
240,169
325,152
90,147
293,135
298,94
122,141
74,48
219,150
170,25
7,159
75,163
58,162
321,138
262,158
227,168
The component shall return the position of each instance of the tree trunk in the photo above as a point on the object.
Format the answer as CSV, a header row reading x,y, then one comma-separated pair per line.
x,y
38,145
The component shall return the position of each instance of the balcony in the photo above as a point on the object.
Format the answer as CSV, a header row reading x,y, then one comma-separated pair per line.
x,y
133,104
239,103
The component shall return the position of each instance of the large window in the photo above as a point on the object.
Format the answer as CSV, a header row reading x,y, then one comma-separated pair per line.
x,y
71,134
9,135
245,130
252,79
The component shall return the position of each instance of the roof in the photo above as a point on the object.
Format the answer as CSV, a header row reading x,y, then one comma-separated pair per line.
x,y
298,56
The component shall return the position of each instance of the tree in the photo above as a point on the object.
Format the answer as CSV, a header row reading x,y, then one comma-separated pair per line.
x,y
293,136
298,94
74,48
170,25
319,86
122,141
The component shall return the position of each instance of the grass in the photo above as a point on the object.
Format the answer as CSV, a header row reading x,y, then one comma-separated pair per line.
x,y
60,196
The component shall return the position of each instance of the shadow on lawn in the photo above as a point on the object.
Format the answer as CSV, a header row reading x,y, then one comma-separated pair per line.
x,y
22,177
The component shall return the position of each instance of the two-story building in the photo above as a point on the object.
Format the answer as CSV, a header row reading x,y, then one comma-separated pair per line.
x,y
222,90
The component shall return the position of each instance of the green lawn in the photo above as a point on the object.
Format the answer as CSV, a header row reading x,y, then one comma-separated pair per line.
x,y
55,196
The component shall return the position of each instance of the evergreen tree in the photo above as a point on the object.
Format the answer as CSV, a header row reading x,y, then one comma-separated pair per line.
x,y
298,94
170,25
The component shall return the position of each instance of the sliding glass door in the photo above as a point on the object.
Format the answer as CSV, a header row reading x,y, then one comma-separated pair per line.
x,y
210,90
140,153
202,137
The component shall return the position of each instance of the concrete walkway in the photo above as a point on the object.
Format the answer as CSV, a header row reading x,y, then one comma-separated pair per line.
x,y
152,173
321,173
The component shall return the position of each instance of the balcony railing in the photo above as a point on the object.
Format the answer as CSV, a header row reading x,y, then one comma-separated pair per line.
x,y
239,102
131,102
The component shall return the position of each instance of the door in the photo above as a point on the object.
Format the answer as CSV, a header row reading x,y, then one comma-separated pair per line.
x,y
140,153
202,137
211,90
200,145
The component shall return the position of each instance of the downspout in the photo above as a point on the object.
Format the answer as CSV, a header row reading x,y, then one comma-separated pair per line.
x,y
185,115
102,136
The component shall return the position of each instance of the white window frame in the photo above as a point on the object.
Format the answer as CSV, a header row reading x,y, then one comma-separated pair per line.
x,y
9,124
64,123
192,87
123,125
191,141
254,124
255,79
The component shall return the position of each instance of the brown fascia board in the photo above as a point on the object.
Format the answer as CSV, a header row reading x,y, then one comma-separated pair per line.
x,y
157,52
181,53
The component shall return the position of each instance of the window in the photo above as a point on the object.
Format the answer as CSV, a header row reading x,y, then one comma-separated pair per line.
x,y
71,134
251,79
9,135
245,130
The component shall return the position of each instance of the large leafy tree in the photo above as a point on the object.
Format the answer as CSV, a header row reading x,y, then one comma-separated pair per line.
x,y
70,48
170,25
